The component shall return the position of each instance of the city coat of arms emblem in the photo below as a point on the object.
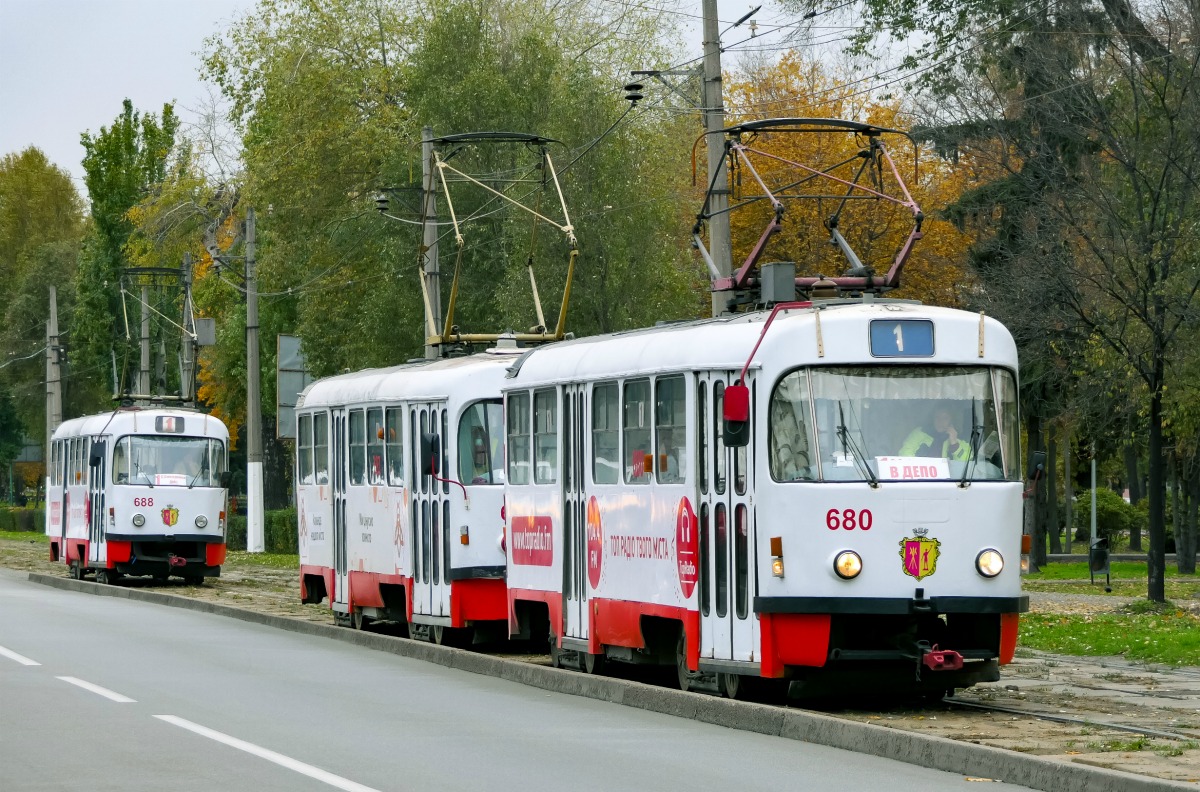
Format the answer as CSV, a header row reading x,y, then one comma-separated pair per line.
x,y
920,554
170,516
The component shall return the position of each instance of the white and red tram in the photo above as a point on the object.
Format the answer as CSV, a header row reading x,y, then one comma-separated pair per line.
x,y
139,491
380,534
659,512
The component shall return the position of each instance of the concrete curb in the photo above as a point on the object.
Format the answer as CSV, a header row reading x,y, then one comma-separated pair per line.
x,y
938,753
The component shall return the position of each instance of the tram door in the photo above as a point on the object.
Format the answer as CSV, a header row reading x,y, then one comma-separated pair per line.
x,y
340,444
95,510
728,626
431,514
574,522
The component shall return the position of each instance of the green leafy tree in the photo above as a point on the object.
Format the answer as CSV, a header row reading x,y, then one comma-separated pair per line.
x,y
41,227
331,99
122,163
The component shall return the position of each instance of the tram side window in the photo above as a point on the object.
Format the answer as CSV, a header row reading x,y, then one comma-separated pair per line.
x,y
76,468
790,450
545,436
670,427
480,457
395,447
375,446
719,454
639,458
358,447
518,439
120,464
321,447
304,464
606,435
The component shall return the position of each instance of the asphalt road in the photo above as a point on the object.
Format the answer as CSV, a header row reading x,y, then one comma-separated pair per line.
x,y
108,694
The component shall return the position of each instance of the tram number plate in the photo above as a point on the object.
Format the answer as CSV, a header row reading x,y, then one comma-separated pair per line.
x,y
143,502
849,519
901,338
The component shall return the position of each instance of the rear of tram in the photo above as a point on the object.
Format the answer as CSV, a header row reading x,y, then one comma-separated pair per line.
x,y
889,523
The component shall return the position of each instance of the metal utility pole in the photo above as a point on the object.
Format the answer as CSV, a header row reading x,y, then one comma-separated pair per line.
x,y
187,374
143,390
53,373
429,243
254,450
1093,495
720,244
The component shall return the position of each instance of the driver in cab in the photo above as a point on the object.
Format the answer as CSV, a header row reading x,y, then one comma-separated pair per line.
x,y
941,440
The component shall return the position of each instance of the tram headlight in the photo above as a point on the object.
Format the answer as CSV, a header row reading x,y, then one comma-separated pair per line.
x,y
847,564
201,521
989,563
139,520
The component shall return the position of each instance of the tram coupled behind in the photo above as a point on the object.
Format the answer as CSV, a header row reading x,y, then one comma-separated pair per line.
x,y
811,543
139,491
381,535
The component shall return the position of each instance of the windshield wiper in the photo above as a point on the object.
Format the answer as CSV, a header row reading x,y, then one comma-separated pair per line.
x,y
196,478
976,434
848,443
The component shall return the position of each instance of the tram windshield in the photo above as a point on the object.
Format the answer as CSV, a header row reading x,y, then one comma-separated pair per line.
x,y
875,423
156,460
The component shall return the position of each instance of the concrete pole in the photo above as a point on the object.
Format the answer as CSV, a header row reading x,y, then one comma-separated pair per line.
x,y
720,244
53,373
254,451
429,243
144,369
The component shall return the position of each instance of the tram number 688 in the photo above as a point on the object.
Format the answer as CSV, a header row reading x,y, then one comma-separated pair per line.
x,y
849,519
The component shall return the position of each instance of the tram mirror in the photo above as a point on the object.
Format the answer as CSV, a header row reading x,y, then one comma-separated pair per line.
x,y
431,453
1037,463
737,416
226,479
97,454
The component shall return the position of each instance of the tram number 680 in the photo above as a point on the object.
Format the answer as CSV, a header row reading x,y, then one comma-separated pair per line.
x,y
849,519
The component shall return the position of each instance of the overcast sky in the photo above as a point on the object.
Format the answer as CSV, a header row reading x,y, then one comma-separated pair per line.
x,y
66,65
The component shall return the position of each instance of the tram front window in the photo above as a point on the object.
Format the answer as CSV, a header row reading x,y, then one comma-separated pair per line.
x,y
480,444
168,461
894,423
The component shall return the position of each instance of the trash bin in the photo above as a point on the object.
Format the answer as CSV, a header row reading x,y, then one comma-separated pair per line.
x,y
1098,561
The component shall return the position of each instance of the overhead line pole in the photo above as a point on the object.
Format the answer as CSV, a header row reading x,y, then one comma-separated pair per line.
x,y
254,447
429,244
720,243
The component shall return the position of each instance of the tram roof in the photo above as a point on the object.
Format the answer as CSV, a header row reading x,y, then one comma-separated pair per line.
x,y
142,420
724,343
471,376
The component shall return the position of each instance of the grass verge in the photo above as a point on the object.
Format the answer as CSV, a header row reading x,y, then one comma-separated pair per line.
x,y
1158,634
25,536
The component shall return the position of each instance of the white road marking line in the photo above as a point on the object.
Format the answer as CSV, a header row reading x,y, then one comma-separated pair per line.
x,y
269,755
22,659
108,694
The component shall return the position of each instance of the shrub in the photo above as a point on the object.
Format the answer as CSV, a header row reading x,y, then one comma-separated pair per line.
x,y
279,529
1113,515
13,519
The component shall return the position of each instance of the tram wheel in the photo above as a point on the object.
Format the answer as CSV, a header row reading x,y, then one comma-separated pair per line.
x,y
555,653
193,580
457,637
76,571
681,667
593,663
161,577
102,577
360,620
731,686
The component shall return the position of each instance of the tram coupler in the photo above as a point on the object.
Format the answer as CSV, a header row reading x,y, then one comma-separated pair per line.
x,y
942,659
176,561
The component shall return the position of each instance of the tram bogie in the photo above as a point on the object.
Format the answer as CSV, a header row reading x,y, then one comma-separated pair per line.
x,y
139,491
